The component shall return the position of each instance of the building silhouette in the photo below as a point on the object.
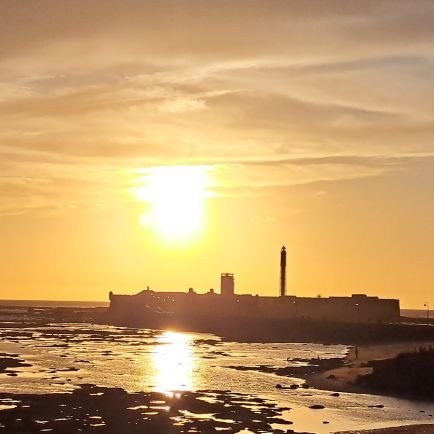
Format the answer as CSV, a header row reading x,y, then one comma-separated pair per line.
x,y
216,307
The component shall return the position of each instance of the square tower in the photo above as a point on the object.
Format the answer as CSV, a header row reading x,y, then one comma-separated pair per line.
x,y
227,284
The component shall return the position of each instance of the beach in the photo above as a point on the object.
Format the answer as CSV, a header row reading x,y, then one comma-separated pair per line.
x,y
343,379
170,380
412,429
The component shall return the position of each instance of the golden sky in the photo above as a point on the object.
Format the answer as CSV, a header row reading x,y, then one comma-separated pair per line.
x,y
163,142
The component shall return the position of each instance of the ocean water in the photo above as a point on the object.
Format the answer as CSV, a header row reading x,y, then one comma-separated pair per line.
x,y
53,303
417,313
63,356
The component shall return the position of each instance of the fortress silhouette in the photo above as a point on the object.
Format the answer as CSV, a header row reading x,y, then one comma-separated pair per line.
x,y
152,305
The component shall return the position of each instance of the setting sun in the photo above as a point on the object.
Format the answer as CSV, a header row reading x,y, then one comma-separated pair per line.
x,y
217,216
176,197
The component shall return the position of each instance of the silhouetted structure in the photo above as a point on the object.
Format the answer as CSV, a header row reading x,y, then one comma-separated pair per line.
x,y
357,309
227,285
283,272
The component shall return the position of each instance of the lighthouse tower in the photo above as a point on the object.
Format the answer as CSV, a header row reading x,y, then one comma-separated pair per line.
x,y
283,272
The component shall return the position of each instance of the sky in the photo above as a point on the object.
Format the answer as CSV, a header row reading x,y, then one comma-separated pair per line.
x,y
162,143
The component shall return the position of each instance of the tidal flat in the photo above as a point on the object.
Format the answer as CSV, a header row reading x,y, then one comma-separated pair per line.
x,y
79,377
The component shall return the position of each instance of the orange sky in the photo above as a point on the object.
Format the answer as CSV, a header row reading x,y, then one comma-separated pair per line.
x,y
307,123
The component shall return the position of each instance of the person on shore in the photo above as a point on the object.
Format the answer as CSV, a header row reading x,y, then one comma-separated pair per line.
x,y
356,352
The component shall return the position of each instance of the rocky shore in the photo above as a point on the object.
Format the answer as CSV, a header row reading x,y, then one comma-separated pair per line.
x,y
403,370
399,369
410,429
409,374
78,407
245,329
112,410
236,329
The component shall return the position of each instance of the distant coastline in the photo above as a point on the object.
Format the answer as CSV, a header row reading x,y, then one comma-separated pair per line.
x,y
53,303
417,313
410,313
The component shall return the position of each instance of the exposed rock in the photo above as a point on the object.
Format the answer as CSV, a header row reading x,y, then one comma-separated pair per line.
x,y
408,375
112,410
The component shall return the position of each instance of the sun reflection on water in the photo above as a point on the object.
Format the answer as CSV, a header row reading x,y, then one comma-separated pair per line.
x,y
174,362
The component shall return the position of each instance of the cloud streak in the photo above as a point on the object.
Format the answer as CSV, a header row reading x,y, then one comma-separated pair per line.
x,y
300,92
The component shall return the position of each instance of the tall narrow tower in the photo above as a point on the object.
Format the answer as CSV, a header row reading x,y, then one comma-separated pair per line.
x,y
283,272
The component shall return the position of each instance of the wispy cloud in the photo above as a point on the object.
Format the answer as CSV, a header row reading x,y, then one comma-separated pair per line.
x,y
300,92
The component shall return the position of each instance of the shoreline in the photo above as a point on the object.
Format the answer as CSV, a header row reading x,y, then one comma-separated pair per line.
x,y
343,378
86,396
405,429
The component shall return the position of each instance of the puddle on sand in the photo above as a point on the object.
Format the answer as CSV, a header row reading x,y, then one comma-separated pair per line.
x,y
7,407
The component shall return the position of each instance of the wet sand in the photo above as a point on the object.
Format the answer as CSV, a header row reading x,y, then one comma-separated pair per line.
x,y
112,410
342,379
411,429
10,361
75,353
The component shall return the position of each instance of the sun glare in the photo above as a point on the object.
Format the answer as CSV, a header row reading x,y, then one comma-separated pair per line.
x,y
176,197
174,362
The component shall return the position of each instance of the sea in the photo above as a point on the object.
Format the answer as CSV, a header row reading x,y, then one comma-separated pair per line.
x,y
62,356
53,303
